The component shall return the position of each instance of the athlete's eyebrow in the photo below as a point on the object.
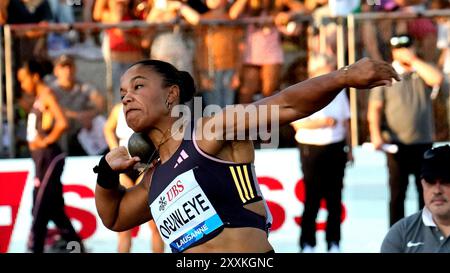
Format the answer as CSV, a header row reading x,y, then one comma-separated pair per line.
x,y
133,79
137,77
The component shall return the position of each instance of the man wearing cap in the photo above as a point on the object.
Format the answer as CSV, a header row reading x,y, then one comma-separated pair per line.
x,y
402,114
81,103
429,229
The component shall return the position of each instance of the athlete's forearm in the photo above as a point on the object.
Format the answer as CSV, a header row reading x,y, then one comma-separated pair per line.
x,y
120,209
305,98
108,193
108,202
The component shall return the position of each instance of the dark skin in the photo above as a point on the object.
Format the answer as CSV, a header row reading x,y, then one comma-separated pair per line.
x,y
32,84
144,100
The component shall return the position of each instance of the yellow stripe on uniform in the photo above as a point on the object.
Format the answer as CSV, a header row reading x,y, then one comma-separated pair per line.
x,y
248,182
242,182
236,182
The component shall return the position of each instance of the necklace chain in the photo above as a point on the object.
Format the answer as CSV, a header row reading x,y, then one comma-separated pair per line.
x,y
173,134
148,164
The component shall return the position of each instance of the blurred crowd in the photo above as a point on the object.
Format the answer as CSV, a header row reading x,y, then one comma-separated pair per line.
x,y
239,51
232,63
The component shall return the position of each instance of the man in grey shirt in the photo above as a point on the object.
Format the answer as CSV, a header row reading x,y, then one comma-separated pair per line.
x,y
81,102
402,114
427,230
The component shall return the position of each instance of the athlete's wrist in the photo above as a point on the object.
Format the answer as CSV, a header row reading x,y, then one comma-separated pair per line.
x,y
107,178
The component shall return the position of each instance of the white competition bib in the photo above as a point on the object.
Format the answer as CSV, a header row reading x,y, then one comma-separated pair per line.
x,y
183,213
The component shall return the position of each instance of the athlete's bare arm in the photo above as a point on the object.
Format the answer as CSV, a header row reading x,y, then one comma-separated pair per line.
x,y
61,123
297,101
121,209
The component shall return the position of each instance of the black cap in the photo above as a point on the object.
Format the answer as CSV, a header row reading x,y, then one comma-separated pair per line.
x,y
436,164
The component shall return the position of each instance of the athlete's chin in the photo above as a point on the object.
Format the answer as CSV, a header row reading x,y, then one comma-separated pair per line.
x,y
135,125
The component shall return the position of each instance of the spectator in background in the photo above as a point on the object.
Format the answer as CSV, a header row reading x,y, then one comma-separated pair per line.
x,y
443,43
62,11
117,133
325,147
263,54
121,47
27,11
46,123
3,11
427,231
402,114
325,8
218,58
172,45
200,6
82,104
28,45
423,30
31,43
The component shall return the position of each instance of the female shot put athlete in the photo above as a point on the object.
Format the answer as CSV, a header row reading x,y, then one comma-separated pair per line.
x,y
203,193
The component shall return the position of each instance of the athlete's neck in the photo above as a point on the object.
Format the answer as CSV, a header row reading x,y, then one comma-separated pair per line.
x,y
167,140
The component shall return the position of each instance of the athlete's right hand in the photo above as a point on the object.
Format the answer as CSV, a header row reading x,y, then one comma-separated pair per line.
x,y
119,159
367,73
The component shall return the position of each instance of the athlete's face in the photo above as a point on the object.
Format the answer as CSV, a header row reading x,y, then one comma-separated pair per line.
x,y
27,80
437,197
143,97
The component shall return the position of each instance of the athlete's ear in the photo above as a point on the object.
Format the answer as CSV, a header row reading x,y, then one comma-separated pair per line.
x,y
173,95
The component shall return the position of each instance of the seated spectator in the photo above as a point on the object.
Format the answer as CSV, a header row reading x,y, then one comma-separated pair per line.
x,y
429,229
81,103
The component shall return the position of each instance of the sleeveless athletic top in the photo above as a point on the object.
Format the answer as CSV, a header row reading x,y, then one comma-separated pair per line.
x,y
37,120
194,196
